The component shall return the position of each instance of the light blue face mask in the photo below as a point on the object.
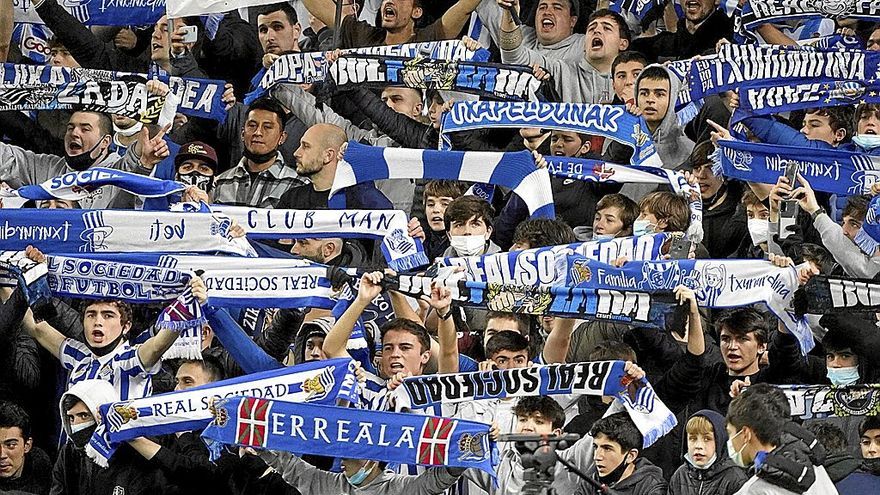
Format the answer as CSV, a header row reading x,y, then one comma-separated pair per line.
x,y
642,227
867,141
602,237
843,376
357,478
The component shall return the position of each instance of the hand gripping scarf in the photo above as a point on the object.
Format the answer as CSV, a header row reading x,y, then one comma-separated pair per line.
x,y
596,378
197,97
823,401
391,226
321,382
612,122
350,433
516,171
95,231
76,186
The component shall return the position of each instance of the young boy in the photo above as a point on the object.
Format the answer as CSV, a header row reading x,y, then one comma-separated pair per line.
x,y
468,222
708,469
439,194
616,461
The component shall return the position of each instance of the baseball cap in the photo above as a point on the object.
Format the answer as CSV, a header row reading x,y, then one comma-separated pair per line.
x,y
197,150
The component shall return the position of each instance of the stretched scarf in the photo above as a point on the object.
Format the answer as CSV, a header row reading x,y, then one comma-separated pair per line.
x,y
760,99
105,13
516,171
832,41
822,295
232,282
716,283
599,171
350,433
75,186
317,382
612,122
537,267
595,378
833,171
126,98
592,304
400,250
771,65
197,97
89,231
823,401
758,12
508,82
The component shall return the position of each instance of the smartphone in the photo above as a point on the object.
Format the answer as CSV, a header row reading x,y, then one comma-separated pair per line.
x,y
190,34
789,208
680,248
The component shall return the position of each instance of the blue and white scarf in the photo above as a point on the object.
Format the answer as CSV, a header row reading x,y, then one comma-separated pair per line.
x,y
758,98
716,283
33,40
96,231
639,308
516,171
311,67
341,432
768,66
104,13
824,401
833,41
599,171
126,98
76,186
232,282
537,267
868,238
758,12
638,8
610,121
828,170
197,97
322,382
596,378
401,251
184,317
507,82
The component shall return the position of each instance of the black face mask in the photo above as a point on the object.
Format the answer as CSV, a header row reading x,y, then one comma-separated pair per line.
x,y
614,476
872,466
103,351
84,160
81,438
202,181
257,157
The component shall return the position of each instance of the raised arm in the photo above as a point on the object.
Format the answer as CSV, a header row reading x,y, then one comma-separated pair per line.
x,y
150,352
44,334
696,340
324,10
559,340
336,342
454,19
441,301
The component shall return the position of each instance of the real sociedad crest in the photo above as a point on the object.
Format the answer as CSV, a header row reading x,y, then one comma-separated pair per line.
x,y
320,385
78,9
580,272
473,447
639,137
741,160
834,8
849,91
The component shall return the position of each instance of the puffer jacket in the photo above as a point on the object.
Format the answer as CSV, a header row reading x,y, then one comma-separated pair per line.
x,y
722,477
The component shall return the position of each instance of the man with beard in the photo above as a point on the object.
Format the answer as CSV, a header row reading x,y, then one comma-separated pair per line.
x,y
398,23
260,177
86,144
703,25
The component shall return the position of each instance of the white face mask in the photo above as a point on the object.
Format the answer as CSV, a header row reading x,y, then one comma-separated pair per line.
x,y
642,227
759,230
131,131
602,237
468,245
867,141
82,426
687,457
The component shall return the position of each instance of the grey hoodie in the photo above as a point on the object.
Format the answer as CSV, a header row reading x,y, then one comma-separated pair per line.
x,y
570,48
310,480
669,139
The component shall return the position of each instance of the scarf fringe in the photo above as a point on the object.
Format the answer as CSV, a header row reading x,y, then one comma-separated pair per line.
x,y
658,431
689,112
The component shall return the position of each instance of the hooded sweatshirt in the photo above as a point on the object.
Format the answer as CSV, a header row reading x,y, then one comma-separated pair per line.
x,y
669,139
722,477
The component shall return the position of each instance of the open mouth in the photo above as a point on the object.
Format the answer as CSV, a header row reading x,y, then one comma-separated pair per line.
x,y
547,24
692,7
871,131
396,367
596,44
558,153
75,146
734,358
156,46
389,11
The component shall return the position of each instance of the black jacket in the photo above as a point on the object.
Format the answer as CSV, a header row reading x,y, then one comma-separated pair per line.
x,y
407,132
75,474
89,51
33,477
682,44
725,226
646,479
234,54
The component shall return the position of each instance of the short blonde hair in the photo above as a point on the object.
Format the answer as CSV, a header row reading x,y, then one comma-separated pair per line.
x,y
699,425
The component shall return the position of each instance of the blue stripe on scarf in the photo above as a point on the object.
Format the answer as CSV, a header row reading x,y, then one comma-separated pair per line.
x,y
359,434
612,122
516,171
77,185
828,170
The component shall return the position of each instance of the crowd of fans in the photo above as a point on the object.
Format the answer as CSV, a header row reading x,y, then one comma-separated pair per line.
x,y
714,370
